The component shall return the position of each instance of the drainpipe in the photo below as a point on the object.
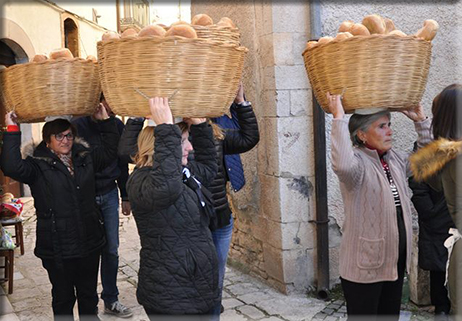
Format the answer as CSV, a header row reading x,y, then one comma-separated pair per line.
x,y
319,128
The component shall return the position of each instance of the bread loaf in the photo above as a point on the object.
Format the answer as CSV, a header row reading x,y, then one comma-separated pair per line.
x,y
359,29
108,35
428,31
325,39
389,25
311,44
375,24
202,20
342,36
92,58
129,33
346,26
180,22
398,33
61,53
39,58
182,31
226,22
152,31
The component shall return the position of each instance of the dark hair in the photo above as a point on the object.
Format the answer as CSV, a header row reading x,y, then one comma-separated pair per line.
x,y
362,122
55,127
447,113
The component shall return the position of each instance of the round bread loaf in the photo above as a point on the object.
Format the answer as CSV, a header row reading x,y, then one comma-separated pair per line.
x,y
311,44
389,25
108,35
129,33
61,53
375,24
398,33
346,26
343,35
182,31
325,39
428,31
179,22
39,58
226,22
92,58
202,19
358,29
152,30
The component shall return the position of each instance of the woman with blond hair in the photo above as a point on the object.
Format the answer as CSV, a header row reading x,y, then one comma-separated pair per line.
x,y
178,263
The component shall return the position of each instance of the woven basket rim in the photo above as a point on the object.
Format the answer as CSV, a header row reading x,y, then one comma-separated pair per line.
x,y
52,62
366,38
215,26
157,39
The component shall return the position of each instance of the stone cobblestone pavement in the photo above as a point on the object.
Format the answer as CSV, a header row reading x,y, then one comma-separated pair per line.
x,y
244,297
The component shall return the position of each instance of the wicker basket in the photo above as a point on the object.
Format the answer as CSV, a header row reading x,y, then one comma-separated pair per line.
x,y
201,75
51,88
378,71
214,32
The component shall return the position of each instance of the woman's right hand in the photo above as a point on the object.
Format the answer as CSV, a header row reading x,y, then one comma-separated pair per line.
x,y
160,110
335,105
10,119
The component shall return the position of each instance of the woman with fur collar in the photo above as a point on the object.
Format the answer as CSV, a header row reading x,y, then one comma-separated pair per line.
x,y
440,163
377,233
61,174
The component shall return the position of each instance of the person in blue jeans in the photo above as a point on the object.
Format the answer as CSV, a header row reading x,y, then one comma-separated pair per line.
x,y
233,135
107,198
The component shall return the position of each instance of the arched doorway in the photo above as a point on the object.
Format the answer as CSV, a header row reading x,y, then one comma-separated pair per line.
x,y
71,36
11,53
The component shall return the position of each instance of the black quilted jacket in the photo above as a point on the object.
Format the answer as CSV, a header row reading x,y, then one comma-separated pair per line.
x,y
178,264
235,142
68,221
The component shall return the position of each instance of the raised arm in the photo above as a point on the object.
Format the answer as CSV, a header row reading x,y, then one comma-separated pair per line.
x,y
128,144
12,163
345,163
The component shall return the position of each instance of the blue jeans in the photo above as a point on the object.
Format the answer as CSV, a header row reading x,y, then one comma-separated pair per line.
x,y
222,240
109,206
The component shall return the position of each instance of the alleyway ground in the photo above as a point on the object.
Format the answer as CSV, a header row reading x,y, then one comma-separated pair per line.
x,y
244,297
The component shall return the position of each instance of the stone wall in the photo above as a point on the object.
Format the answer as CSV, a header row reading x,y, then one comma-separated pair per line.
x,y
273,237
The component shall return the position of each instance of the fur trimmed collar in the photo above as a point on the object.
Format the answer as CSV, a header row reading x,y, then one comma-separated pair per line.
x,y
432,158
80,146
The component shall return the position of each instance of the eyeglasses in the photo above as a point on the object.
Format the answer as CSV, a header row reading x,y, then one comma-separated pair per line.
x,y
60,137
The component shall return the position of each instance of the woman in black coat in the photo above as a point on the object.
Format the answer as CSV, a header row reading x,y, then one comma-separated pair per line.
x,y
178,264
61,174
434,224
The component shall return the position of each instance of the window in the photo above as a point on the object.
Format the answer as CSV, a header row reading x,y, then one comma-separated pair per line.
x,y
71,36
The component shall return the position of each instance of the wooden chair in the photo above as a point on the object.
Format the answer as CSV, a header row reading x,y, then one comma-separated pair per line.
x,y
8,256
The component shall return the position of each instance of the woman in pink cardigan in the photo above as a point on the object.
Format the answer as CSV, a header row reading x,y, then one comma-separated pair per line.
x,y
376,242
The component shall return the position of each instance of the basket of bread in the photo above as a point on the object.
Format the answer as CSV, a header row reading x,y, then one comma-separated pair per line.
x,y
372,64
199,75
51,86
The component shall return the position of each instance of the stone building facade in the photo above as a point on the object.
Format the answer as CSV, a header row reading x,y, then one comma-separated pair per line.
x,y
273,236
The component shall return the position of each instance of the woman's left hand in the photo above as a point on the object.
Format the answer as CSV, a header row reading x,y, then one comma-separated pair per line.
x,y
10,118
194,121
415,114
101,112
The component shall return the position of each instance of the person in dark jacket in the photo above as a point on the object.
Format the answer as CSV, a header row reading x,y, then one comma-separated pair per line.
x,y
434,225
107,197
61,174
178,272
233,136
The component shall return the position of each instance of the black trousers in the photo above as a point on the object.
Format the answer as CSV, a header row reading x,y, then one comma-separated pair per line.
x,y
380,300
155,316
438,292
77,279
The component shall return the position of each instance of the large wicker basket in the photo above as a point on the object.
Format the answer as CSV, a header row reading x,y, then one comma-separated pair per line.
x,y
214,32
51,88
200,76
378,71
